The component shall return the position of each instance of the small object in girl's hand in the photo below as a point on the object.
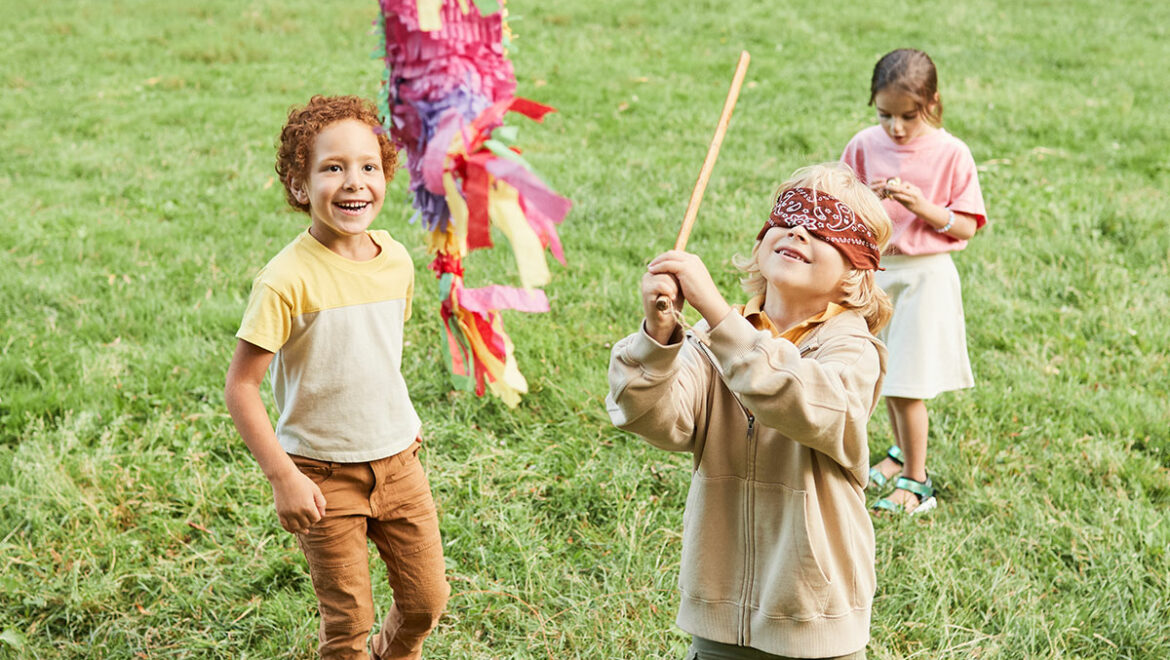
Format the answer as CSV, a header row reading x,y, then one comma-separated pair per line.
x,y
892,181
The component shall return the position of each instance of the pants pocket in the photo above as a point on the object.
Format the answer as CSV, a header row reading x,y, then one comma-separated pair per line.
x,y
312,468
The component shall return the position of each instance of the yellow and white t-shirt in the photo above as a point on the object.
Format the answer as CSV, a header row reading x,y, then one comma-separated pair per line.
x,y
335,326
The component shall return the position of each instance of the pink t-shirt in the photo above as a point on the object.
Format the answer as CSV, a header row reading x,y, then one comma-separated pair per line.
x,y
938,163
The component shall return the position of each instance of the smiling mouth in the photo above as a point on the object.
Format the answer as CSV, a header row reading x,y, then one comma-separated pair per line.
x,y
792,254
352,207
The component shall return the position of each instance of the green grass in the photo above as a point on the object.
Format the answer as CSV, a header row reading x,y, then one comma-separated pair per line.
x,y
139,200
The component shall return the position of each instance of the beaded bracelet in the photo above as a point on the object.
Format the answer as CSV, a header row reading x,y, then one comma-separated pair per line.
x,y
950,223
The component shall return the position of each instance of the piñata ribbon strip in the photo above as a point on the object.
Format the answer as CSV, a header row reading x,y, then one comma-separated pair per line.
x,y
504,209
495,297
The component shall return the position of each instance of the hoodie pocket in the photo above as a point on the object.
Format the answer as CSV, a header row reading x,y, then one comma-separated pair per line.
x,y
714,548
788,580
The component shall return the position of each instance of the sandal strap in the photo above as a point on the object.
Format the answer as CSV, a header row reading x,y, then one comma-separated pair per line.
x,y
921,489
878,479
885,504
895,454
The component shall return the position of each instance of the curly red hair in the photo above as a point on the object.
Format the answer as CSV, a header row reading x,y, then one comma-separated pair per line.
x,y
300,132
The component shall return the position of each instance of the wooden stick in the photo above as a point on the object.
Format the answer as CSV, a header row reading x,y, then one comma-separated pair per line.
x,y
684,232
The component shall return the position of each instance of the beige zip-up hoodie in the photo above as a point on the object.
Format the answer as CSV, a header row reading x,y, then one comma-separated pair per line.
x,y
778,547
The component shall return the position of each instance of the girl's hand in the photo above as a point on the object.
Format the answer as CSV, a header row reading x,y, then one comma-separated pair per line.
x,y
695,282
299,502
879,188
906,194
660,324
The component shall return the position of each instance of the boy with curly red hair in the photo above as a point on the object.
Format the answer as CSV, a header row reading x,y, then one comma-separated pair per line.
x,y
325,318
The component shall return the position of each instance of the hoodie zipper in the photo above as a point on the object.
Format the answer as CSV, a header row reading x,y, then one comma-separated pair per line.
x,y
749,549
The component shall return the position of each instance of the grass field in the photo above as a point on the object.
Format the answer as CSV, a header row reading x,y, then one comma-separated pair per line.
x,y
139,199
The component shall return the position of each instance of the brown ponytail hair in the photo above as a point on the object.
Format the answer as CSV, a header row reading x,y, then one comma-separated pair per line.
x,y
912,73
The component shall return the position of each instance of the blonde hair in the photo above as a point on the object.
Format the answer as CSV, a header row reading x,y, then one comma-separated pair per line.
x,y
859,287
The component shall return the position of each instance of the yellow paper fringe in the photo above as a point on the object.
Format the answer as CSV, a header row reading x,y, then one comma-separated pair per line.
x,y
505,212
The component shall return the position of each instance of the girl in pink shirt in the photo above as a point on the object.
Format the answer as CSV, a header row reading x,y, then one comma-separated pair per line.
x,y
930,189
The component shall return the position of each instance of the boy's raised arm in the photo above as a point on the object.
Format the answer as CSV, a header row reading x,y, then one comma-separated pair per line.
x,y
656,390
822,403
299,502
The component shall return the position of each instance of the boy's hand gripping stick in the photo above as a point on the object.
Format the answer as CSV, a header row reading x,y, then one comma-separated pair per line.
x,y
684,232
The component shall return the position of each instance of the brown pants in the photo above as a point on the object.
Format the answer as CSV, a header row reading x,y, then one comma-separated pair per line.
x,y
389,502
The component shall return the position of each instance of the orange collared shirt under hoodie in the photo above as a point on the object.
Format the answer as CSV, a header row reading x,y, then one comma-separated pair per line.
x,y
753,311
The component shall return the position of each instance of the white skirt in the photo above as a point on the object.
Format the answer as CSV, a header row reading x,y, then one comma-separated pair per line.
x,y
927,336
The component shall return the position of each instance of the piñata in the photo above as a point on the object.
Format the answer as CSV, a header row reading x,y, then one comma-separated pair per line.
x,y
447,86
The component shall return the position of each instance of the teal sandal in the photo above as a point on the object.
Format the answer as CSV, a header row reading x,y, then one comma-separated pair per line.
x,y
876,478
923,490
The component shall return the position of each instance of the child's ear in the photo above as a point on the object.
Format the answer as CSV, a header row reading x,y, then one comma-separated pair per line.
x,y
298,191
934,102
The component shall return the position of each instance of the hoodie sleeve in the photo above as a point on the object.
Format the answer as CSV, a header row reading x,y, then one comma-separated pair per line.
x,y
658,391
822,402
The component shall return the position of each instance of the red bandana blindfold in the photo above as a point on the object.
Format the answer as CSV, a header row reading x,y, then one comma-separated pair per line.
x,y
830,220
